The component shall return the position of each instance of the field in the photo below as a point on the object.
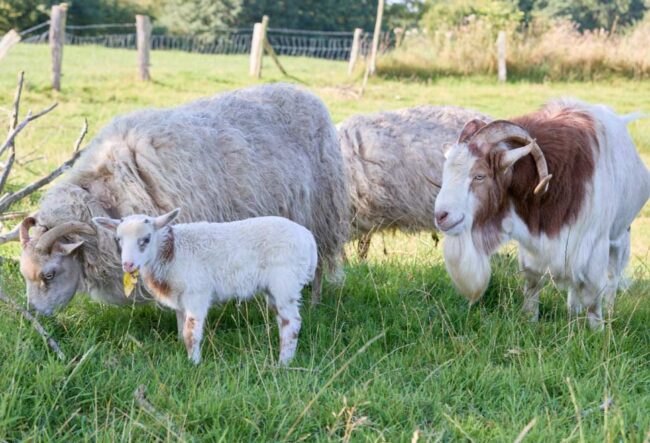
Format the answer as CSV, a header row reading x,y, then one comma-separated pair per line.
x,y
394,354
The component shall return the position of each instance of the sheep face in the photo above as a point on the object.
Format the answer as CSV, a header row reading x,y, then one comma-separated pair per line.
x,y
137,237
52,277
50,266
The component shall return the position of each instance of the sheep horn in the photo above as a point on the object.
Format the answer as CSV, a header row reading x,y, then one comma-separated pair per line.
x,y
48,238
25,226
500,130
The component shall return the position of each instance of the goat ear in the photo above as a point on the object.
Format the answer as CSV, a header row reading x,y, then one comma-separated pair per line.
x,y
166,219
470,128
511,156
66,248
110,224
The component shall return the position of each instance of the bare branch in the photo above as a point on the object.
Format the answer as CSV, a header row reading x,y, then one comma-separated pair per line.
x,y
35,323
12,235
12,135
13,215
7,170
84,131
14,116
12,197
141,399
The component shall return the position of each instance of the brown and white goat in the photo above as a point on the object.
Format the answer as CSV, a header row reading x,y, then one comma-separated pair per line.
x,y
565,182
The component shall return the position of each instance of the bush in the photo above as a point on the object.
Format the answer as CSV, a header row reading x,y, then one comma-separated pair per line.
x,y
545,50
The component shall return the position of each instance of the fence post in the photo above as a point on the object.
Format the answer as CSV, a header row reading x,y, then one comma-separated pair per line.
x,y
399,36
143,41
375,38
354,51
501,56
257,47
57,37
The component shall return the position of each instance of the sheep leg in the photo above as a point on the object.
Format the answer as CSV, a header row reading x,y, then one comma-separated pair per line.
x,y
364,246
619,257
180,323
192,335
532,288
574,305
289,323
317,284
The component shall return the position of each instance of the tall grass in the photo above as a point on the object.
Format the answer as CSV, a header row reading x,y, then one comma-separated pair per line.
x,y
543,51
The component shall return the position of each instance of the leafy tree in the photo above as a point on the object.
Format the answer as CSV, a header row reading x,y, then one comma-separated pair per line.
x,y
21,14
452,13
589,14
198,17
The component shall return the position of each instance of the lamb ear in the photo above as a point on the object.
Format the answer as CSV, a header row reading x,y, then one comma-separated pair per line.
x,y
166,219
66,248
511,156
110,224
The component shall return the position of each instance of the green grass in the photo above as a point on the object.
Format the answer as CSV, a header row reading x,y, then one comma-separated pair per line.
x,y
391,352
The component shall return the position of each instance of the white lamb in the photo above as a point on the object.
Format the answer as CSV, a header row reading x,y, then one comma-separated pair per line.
x,y
188,267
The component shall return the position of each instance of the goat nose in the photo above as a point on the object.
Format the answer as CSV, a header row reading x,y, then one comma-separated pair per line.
x,y
441,216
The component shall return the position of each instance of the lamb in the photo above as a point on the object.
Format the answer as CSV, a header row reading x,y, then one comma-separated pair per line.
x,y
565,182
388,159
261,151
187,267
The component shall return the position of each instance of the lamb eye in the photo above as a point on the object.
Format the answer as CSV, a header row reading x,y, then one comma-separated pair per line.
x,y
144,241
479,177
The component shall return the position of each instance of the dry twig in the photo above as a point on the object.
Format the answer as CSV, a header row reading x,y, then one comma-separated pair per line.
x,y
35,323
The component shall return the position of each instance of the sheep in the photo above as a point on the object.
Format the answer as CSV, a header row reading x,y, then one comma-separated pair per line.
x,y
564,182
387,156
264,150
188,267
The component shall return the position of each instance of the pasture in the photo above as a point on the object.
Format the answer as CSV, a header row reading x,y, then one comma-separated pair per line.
x,y
394,354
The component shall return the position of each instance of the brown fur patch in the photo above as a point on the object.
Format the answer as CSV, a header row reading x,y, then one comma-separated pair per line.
x,y
567,137
470,128
188,333
166,252
284,322
159,288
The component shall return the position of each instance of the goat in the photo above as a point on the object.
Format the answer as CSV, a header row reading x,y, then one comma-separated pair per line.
x,y
564,182
187,267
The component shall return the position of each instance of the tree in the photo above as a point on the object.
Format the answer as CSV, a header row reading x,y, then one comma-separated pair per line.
x,y
591,14
198,17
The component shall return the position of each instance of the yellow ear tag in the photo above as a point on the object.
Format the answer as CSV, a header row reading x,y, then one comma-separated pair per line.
x,y
130,280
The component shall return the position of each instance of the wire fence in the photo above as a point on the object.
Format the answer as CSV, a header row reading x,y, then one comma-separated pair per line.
x,y
291,42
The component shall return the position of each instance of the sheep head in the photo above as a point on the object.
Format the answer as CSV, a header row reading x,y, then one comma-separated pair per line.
x,y
50,265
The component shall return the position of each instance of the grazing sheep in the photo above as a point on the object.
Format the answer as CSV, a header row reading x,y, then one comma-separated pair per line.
x,y
388,157
265,150
564,182
188,267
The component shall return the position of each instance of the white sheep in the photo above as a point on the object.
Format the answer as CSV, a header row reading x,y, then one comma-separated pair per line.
x,y
188,267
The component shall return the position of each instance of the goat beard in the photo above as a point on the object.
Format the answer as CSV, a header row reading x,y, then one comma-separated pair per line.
x,y
468,267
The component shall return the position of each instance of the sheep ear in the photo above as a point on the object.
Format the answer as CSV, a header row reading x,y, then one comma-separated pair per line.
x,y
511,156
110,224
66,248
166,219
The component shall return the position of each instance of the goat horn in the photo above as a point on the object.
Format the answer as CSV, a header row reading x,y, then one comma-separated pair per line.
x,y
48,238
500,130
25,226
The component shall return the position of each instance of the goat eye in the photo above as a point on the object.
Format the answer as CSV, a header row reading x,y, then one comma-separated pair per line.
x,y
48,276
479,178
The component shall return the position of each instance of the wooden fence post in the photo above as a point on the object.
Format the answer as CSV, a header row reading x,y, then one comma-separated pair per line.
x,y
375,38
399,36
257,47
354,51
9,40
57,38
143,41
501,56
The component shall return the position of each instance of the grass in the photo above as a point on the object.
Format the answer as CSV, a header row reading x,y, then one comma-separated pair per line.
x,y
391,353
